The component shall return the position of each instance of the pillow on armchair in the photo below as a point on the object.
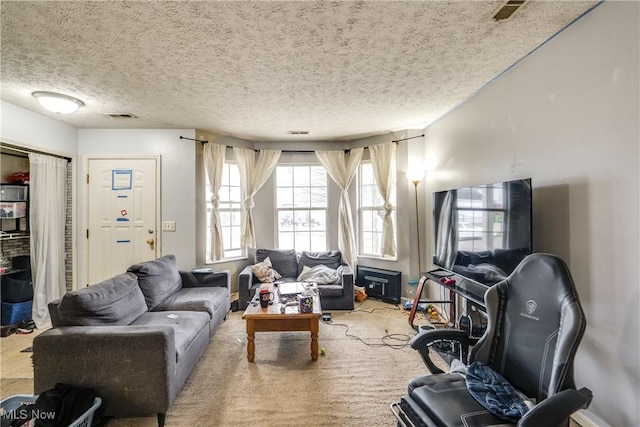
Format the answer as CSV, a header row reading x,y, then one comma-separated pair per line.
x,y
264,271
331,259
284,261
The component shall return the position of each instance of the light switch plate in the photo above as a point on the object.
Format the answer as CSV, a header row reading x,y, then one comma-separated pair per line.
x,y
168,226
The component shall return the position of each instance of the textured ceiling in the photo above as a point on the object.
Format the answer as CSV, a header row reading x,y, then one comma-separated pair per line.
x,y
258,69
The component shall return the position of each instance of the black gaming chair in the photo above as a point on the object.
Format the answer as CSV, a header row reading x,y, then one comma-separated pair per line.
x,y
535,323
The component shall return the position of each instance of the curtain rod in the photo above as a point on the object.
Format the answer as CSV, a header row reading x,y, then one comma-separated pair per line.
x,y
21,150
203,141
406,139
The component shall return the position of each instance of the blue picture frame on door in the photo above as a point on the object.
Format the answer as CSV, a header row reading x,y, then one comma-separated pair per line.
x,y
121,179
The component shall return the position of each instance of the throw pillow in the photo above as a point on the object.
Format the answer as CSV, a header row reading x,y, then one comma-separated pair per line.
x,y
117,301
284,261
265,272
158,279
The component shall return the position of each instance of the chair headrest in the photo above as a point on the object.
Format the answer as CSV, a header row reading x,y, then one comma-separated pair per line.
x,y
543,281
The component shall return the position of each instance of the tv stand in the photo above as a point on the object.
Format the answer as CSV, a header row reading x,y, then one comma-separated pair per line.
x,y
466,288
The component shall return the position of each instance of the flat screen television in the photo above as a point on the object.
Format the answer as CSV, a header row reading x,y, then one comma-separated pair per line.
x,y
482,232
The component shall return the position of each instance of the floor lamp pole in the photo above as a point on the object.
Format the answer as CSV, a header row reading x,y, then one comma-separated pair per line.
x,y
415,185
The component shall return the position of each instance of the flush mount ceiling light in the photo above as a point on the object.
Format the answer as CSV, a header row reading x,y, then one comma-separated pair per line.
x,y
58,103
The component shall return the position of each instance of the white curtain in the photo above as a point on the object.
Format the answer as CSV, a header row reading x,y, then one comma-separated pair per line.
x,y
253,174
47,213
383,157
342,168
214,163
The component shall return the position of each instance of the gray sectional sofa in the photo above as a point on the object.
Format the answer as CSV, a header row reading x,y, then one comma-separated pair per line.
x,y
289,264
133,338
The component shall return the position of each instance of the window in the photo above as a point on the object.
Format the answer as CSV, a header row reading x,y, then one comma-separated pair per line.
x,y
372,211
301,201
230,201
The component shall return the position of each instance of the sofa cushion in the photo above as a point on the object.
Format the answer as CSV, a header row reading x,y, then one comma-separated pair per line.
x,y
205,299
117,301
186,325
331,259
284,261
265,272
158,279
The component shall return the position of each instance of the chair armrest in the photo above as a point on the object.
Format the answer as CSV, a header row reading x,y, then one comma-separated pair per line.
x,y
133,368
557,409
422,343
347,279
430,336
216,279
246,279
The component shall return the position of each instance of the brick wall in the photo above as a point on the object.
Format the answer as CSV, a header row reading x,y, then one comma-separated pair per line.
x,y
12,248
68,237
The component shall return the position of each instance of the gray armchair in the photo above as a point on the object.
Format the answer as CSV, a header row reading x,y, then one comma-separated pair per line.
x,y
535,323
289,265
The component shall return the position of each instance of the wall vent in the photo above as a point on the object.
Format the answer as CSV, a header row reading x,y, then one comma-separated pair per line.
x,y
120,115
298,132
507,9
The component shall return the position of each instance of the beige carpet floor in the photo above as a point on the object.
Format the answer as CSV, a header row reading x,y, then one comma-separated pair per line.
x,y
365,368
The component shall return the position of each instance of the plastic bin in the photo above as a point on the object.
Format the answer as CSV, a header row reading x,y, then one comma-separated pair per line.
x,y
16,287
14,402
14,193
13,209
12,313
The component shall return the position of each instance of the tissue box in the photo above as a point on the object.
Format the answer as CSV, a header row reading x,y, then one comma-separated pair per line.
x,y
306,304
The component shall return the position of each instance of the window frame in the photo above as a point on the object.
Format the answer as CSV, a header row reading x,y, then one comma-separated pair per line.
x,y
304,227
375,209
236,207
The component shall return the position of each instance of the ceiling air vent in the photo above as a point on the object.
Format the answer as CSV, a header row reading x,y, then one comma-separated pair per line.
x,y
298,132
507,9
121,115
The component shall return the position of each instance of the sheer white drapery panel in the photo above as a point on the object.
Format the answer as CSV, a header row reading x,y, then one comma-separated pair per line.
x,y
342,168
214,155
47,214
253,174
383,158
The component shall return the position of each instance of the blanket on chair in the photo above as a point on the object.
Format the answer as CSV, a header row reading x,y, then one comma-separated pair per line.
x,y
494,393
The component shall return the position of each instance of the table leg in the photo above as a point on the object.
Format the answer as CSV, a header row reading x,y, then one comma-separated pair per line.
x,y
314,339
251,340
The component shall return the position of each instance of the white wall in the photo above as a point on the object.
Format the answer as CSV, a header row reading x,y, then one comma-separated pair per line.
x,y
177,185
32,131
25,128
568,117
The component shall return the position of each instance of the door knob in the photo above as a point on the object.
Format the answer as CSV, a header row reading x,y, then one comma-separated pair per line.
x,y
150,242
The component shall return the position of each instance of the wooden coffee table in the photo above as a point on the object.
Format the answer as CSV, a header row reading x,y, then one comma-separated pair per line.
x,y
271,319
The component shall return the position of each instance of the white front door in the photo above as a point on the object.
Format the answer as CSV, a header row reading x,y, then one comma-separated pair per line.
x,y
122,215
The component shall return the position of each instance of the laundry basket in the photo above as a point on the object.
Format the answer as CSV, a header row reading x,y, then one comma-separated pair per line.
x,y
12,403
